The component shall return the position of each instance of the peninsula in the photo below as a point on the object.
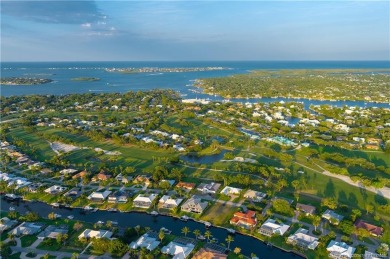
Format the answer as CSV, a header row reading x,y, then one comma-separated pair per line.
x,y
164,69
24,81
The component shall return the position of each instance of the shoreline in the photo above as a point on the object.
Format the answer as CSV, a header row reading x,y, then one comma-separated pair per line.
x,y
170,216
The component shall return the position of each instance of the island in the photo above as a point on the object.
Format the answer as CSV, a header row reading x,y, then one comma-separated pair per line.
x,y
89,79
331,84
164,69
24,81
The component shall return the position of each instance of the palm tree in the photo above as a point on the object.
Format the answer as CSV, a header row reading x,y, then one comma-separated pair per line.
x,y
161,235
316,222
208,235
196,233
229,239
11,236
137,229
185,230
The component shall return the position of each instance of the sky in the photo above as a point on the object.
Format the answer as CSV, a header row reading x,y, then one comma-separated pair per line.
x,y
194,30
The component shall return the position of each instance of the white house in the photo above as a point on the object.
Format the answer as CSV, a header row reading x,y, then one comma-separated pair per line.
x,y
271,227
167,202
302,239
89,233
208,187
231,190
148,240
55,189
144,200
340,250
178,250
254,195
99,196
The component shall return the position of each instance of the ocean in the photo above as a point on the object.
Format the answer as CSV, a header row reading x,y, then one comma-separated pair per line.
x,y
62,72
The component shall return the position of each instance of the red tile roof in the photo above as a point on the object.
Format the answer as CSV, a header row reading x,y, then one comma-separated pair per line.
x,y
185,185
247,218
374,230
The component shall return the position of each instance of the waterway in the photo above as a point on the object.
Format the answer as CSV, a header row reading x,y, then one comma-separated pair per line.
x,y
247,244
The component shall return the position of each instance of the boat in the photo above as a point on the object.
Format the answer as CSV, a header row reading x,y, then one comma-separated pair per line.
x,y
154,213
214,240
57,216
112,210
231,231
200,237
95,209
165,230
100,222
70,217
11,208
184,218
86,208
55,205
11,197
207,224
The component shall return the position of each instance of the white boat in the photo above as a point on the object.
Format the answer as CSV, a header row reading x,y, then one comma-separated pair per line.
x,y
11,208
57,216
184,218
55,205
207,224
100,222
94,210
88,208
165,230
70,217
154,213
231,231
200,237
112,210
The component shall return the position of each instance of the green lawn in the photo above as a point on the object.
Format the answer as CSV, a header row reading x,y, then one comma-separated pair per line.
x,y
28,240
219,214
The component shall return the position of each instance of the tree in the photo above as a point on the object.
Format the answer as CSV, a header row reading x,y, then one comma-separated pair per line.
x,y
77,226
185,231
369,208
237,250
316,221
161,235
229,239
208,235
51,216
46,256
75,256
355,213
196,233
331,203
137,229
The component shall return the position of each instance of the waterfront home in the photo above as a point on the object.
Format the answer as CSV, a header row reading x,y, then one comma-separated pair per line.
x,y
307,209
374,230
179,250
6,223
19,182
194,205
26,228
184,185
68,171
168,202
231,190
73,193
302,239
206,253
271,227
254,195
208,187
148,240
340,250
144,200
99,196
89,233
118,197
53,231
332,217
55,189
245,220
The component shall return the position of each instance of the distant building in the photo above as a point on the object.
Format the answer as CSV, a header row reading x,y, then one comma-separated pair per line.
x,y
184,185
148,240
6,223
231,190
55,189
167,202
254,195
179,250
332,217
205,253
89,233
307,209
99,196
118,197
144,200
26,228
208,187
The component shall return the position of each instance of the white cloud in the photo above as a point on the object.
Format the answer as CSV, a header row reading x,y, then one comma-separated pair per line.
x,y
86,25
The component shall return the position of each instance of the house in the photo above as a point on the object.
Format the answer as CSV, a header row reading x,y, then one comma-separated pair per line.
x,y
302,239
167,202
340,250
184,185
73,193
55,189
205,253
46,171
270,227
208,187
82,174
179,250
6,223
68,171
89,233
148,240
102,176
118,197
332,217
245,220
231,190
98,196
53,231
307,209
194,205
27,228
254,196
123,179
143,179
374,230
144,200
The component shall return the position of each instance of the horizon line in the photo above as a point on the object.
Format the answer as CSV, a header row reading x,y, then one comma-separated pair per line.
x,y
279,60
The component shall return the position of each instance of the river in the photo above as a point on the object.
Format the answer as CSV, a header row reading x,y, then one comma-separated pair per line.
x,y
247,244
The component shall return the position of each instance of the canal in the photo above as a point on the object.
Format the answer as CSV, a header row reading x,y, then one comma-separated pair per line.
x,y
247,244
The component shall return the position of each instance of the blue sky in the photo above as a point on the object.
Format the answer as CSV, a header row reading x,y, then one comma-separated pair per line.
x,y
194,30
